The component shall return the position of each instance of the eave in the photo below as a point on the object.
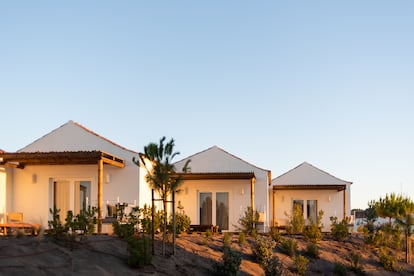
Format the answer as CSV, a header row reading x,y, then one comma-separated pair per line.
x,y
216,175
310,187
23,159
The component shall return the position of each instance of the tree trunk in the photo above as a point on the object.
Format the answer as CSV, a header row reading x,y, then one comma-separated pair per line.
x,y
164,232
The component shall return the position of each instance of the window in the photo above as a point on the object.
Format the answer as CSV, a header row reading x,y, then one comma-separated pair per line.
x,y
222,210
206,209
312,210
214,214
297,206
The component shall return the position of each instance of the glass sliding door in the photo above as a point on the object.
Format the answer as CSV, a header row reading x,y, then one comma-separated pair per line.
x,y
206,212
61,198
222,210
312,210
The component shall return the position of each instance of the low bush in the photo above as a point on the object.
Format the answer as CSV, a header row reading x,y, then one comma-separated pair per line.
x,y
263,250
242,238
289,247
249,221
139,250
301,264
388,260
226,239
340,269
339,230
231,261
312,250
275,234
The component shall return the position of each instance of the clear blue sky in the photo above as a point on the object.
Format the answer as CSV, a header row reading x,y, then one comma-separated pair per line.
x,y
273,82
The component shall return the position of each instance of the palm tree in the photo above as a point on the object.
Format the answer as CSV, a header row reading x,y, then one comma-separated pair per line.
x,y
161,175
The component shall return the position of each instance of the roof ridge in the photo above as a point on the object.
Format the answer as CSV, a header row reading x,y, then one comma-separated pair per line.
x,y
224,151
100,136
82,127
316,168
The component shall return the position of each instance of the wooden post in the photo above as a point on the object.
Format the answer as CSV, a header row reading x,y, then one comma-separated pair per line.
x,y
100,194
152,222
174,223
345,203
252,181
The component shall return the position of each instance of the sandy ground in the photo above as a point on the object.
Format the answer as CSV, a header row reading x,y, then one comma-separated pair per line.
x,y
195,255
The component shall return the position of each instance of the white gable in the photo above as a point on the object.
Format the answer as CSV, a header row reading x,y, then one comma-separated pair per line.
x,y
215,159
74,137
306,174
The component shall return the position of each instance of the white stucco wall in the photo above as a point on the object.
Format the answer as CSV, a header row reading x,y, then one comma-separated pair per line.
x,y
239,198
216,160
329,201
35,199
3,191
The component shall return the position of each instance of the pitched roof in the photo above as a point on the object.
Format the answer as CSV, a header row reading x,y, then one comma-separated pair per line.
x,y
307,175
71,136
215,159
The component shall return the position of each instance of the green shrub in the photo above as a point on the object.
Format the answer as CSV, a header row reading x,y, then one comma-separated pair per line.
x,y
275,234
242,238
289,247
208,233
339,230
274,267
388,260
139,250
263,250
340,269
226,239
182,223
146,219
231,261
56,229
296,221
82,223
312,232
301,264
355,263
249,221
312,250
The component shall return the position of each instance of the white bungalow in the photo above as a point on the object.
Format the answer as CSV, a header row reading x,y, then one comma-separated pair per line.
x,y
70,168
220,187
314,190
73,167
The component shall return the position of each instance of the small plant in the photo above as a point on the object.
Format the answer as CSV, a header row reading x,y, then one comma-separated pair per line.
x,y
82,223
312,250
275,234
146,219
208,233
231,261
388,261
274,267
313,232
125,225
289,247
242,238
301,264
56,229
339,230
249,221
296,221
139,250
227,239
263,250
182,223
355,263
340,269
